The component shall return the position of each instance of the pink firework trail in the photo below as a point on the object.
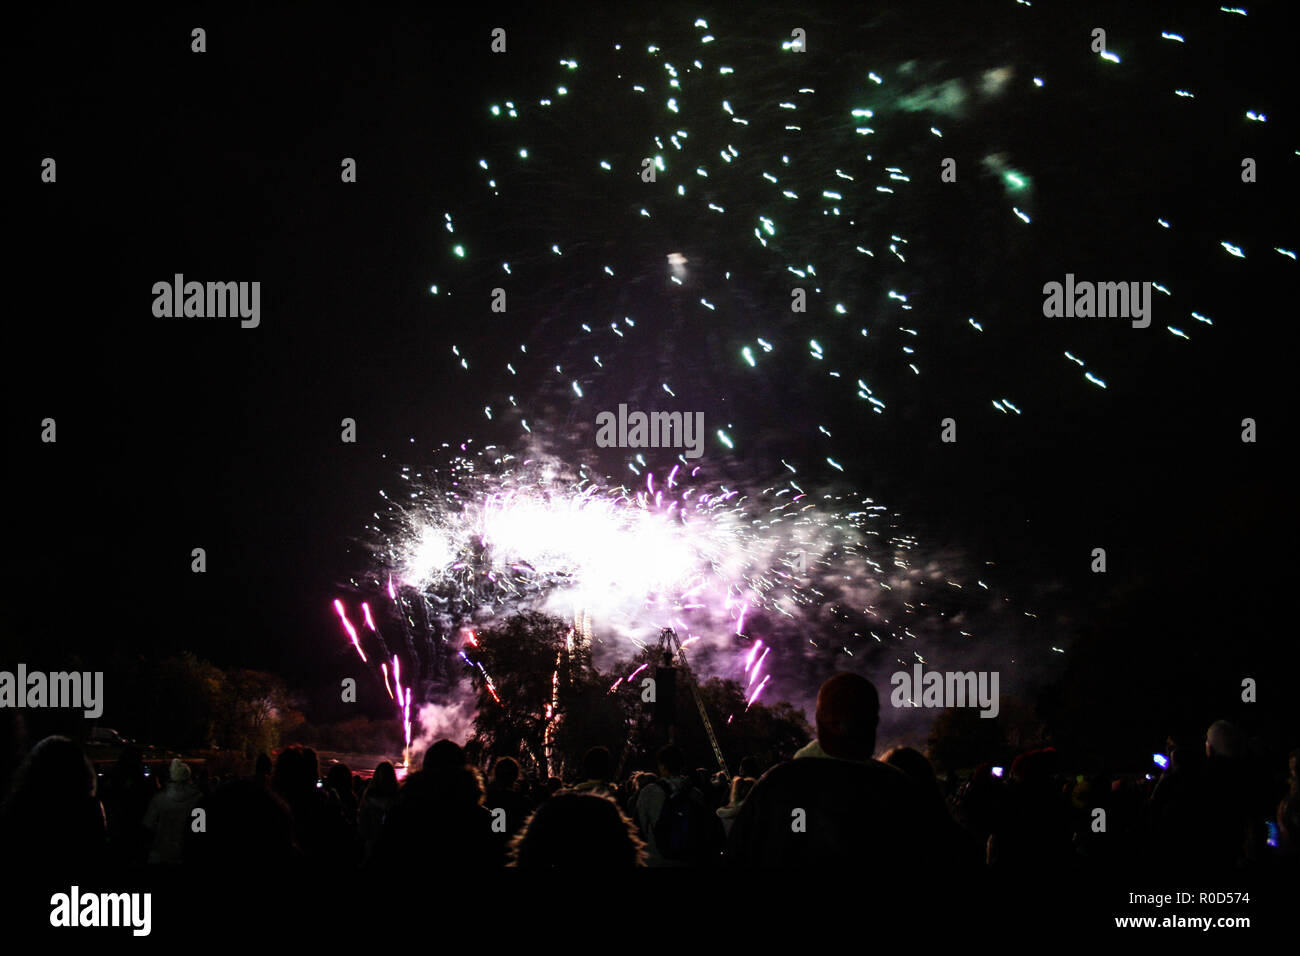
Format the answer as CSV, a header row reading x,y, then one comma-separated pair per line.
x,y
347,626
750,703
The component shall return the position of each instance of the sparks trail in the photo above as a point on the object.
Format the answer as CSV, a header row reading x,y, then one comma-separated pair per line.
x,y
756,581
777,170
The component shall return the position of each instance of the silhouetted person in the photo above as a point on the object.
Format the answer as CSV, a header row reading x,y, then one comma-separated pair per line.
x,y
582,831
833,804
320,830
980,804
1123,846
262,770
1034,828
247,828
677,822
1231,833
632,789
52,817
597,772
439,819
376,802
125,795
740,787
955,843
504,794
703,781
168,817
1177,808
339,782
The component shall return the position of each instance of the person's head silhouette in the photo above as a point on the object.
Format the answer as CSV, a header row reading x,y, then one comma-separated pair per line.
x,y
848,710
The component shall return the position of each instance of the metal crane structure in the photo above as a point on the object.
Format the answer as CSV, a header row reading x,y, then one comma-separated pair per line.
x,y
671,646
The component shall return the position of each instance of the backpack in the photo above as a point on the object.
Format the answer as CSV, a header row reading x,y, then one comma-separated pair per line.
x,y
686,829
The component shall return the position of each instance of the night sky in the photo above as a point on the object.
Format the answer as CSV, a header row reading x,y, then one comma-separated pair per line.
x,y
175,433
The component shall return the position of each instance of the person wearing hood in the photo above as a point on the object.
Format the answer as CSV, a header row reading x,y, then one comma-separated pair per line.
x,y
833,804
168,816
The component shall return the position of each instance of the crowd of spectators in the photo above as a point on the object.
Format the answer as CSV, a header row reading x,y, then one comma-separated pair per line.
x,y
834,803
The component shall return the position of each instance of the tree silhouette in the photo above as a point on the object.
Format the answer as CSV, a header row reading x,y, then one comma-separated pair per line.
x,y
548,691
520,655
